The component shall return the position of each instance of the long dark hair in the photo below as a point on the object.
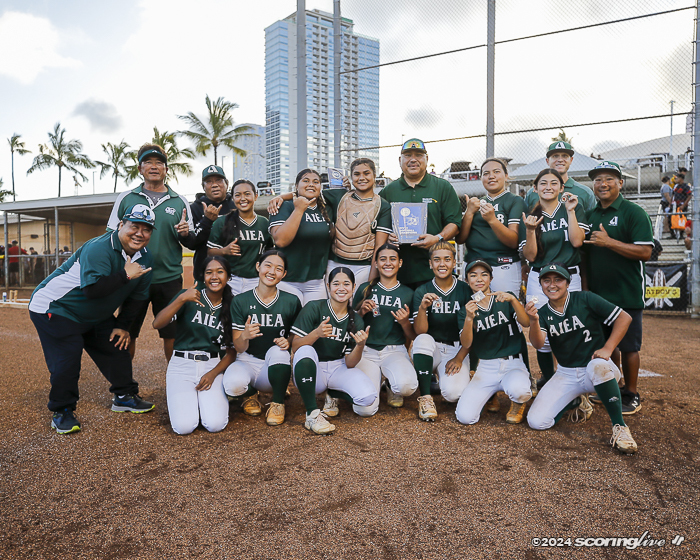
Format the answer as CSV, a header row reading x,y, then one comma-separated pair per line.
x,y
321,203
277,253
537,211
232,223
227,298
386,247
351,312
366,161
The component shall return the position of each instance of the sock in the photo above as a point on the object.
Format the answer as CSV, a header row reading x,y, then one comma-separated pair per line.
x,y
526,355
279,375
473,361
340,395
546,362
424,368
251,391
573,404
607,391
305,378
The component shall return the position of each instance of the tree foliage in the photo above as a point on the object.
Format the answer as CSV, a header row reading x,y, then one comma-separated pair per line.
x,y
117,160
16,146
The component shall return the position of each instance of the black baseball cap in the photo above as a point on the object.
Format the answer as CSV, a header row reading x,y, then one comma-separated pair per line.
x,y
213,170
156,153
478,262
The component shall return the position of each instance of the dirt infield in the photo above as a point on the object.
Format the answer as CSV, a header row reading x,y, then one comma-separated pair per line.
x,y
388,487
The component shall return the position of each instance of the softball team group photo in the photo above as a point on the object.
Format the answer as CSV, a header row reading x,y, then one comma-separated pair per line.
x,y
322,294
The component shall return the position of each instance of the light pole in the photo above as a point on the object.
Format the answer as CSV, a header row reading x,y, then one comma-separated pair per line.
x,y
223,161
93,182
671,139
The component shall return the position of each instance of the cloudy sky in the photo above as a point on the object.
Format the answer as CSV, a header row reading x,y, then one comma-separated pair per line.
x,y
112,70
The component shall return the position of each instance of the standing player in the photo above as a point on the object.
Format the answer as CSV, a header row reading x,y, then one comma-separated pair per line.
x,y
492,331
573,322
262,321
193,381
552,232
73,309
437,347
560,156
303,229
386,305
328,344
241,237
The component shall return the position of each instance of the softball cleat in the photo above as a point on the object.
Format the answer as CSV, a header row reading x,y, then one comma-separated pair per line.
x,y
317,423
251,405
622,440
330,407
275,414
426,408
493,405
516,413
582,412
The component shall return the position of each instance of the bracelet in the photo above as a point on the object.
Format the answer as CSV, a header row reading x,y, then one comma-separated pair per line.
x,y
127,275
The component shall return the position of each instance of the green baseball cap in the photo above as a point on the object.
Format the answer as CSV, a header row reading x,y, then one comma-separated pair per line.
x,y
611,166
213,170
556,269
156,153
478,262
414,144
140,213
560,147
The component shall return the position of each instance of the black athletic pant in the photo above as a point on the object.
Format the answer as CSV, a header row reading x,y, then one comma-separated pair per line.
x,y
63,342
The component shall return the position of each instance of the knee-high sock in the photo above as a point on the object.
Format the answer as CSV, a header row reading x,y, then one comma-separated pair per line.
x,y
340,395
526,355
279,375
546,363
609,394
424,368
305,378
473,361
249,391
573,404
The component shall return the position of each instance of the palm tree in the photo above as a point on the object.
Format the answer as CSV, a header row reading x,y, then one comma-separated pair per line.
x,y
3,193
218,130
562,137
61,153
168,141
16,145
116,161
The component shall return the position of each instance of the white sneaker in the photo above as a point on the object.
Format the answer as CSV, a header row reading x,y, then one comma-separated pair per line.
x,y
317,423
622,440
330,407
582,412
426,408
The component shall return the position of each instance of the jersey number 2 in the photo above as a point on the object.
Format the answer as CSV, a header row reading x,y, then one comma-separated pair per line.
x,y
588,336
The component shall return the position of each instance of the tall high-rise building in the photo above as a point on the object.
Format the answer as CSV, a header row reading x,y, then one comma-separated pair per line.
x,y
360,96
252,166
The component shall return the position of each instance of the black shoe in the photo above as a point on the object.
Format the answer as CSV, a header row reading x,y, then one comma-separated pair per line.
x,y
541,383
631,403
65,422
131,403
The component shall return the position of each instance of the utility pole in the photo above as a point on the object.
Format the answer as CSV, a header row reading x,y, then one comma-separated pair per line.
x,y
695,269
302,154
670,148
337,104
490,76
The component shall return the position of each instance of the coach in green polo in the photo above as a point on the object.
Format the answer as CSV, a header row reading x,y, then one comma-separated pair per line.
x,y
560,156
621,240
444,210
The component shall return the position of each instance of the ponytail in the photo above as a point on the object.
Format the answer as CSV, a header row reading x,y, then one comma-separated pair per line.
x,y
232,227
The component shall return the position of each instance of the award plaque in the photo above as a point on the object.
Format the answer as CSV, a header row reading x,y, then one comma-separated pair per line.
x,y
410,220
335,178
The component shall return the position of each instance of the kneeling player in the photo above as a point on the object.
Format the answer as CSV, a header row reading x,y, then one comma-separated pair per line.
x,y
328,342
262,320
574,322
492,333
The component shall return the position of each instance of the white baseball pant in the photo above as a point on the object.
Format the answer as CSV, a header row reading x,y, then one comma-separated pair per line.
x,y
451,386
310,290
239,284
249,371
507,278
393,363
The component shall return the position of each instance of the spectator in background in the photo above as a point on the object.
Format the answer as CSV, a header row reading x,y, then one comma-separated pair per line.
x,y
666,198
681,193
13,252
688,235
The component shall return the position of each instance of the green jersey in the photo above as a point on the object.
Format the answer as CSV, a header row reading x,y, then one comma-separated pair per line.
x,y
443,322
585,195
165,241
385,330
443,208
482,242
610,275
556,246
497,333
253,239
382,223
275,318
199,327
308,251
62,292
335,346
577,332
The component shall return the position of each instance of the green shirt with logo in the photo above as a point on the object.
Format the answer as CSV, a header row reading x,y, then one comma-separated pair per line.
x,y
340,343
254,239
443,208
382,223
482,242
585,195
275,318
165,241
555,238
443,321
385,330
199,327
577,332
497,333
62,291
610,275
308,252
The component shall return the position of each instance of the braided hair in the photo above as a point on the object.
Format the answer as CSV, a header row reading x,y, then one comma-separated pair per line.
x,y
386,247
226,300
232,223
537,211
319,201
351,312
